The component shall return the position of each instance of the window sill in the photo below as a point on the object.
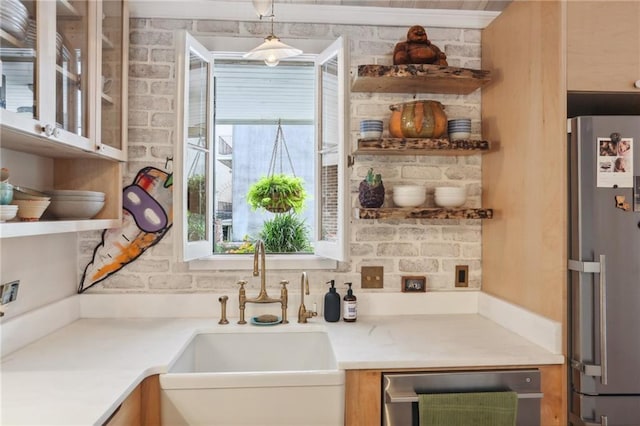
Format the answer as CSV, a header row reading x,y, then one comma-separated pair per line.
x,y
243,262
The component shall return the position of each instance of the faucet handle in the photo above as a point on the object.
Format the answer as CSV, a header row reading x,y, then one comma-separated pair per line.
x,y
284,283
241,283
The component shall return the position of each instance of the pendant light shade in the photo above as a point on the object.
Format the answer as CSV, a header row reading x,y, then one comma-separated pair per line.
x,y
272,50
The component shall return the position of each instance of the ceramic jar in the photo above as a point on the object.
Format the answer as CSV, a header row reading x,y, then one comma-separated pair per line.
x,y
417,119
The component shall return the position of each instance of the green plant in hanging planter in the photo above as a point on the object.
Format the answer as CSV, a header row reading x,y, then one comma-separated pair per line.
x,y
277,193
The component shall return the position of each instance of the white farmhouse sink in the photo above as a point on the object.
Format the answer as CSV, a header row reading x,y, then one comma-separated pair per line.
x,y
256,351
254,378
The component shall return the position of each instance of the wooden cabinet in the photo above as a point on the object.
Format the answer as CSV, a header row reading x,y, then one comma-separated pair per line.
x,y
54,111
603,46
363,396
420,78
141,407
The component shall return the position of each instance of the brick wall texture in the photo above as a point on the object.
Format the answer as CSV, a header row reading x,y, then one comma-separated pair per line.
x,y
403,247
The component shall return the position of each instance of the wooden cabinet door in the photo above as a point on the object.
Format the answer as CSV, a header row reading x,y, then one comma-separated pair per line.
x,y
603,46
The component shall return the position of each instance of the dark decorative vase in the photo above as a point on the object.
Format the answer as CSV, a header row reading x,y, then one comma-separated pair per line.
x,y
371,191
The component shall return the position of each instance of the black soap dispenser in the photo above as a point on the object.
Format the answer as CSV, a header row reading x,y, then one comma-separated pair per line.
x,y
332,304
350,310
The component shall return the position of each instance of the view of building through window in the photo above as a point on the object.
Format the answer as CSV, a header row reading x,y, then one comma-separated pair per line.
x,y
254,155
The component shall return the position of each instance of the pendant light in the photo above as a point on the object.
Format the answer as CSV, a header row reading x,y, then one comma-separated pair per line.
x,y
272,50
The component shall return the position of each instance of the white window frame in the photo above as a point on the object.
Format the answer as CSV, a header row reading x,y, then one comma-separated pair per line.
x,y
204,259
196,249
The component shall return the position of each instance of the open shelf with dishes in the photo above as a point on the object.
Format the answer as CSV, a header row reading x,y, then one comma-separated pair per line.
x,y
421,78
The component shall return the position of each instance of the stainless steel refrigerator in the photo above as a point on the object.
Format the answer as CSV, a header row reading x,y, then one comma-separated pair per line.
x,y
604,271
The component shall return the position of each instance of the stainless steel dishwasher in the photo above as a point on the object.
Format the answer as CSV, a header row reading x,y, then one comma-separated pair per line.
x,y
400,392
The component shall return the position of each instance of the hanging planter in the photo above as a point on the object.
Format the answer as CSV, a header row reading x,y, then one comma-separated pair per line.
x,y
278,192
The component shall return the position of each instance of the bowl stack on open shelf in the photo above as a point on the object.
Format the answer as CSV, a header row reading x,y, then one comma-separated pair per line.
x,y
74,205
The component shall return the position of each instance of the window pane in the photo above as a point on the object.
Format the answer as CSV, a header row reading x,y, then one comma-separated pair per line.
x,y
198,69
251,99
330,139
243,156
197,195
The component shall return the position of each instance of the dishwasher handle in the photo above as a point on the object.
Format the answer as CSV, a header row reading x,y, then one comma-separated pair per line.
x,y
412,396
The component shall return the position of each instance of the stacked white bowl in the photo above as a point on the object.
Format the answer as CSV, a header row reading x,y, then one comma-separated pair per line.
x,y
8,212
370,129
409,195
460,128
450,196
30,203
30,210
70,204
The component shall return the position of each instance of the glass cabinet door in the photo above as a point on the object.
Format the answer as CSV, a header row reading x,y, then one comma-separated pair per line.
x,y
72,66
112,76
18,56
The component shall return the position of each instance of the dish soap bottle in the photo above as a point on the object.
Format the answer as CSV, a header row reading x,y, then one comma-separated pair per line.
x,y
332,304
350,309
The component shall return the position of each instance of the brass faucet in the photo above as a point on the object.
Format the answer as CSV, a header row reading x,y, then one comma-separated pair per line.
x,y
303,314
260,270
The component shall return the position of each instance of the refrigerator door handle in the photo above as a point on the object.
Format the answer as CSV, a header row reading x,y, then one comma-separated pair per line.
x,y
603,319
597,268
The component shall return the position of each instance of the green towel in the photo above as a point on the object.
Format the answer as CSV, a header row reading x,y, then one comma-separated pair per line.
x,y
466,409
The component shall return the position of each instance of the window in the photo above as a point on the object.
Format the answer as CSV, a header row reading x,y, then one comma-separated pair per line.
x,y
251,101
288,119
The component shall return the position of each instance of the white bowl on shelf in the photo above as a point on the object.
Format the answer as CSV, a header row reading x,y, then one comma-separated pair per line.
x,y
8,212
75,209
370,134
68,194
31,210
459,135
409,195
450,196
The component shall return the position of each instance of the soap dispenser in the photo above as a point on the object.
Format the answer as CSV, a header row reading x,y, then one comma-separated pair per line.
x,y
350,311
332,304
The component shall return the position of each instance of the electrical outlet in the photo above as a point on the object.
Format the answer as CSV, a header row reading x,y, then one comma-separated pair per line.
x,y
372,277
9,292
462,275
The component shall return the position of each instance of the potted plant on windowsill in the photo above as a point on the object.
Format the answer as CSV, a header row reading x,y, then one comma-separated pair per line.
x,y
277,193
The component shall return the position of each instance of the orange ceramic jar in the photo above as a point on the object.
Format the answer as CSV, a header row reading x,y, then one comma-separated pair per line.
x,y
418,119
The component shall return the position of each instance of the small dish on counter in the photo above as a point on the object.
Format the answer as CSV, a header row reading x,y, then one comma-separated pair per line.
x,y
266,320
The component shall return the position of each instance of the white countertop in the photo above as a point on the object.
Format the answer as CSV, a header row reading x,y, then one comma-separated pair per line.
x,y
78,375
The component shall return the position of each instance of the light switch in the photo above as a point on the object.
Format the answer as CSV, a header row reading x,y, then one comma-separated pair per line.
x,y
372,277
462,275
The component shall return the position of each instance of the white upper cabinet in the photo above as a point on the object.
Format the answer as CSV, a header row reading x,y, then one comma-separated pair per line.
x,y
63,104
54,54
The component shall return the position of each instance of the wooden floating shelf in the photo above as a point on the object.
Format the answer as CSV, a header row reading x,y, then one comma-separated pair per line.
x,y
410,146
419,78
423,213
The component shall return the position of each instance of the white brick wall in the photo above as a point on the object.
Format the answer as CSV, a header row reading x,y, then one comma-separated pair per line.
x,y
403,247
